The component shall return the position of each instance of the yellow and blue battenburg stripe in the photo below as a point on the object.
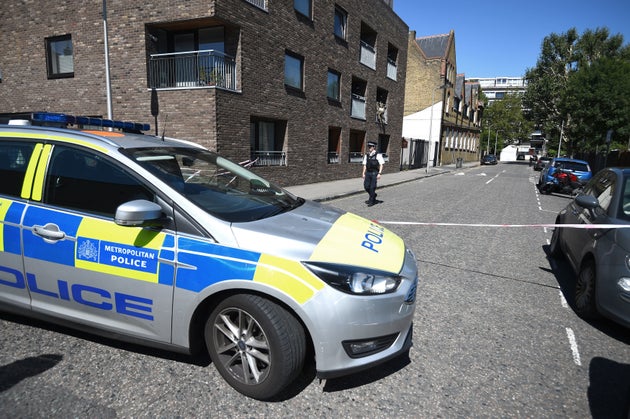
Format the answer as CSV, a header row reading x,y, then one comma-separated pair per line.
x,y
101,246
10,217
211,263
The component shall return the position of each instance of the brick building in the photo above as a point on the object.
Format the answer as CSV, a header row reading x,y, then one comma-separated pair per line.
x,y
442,111
299,86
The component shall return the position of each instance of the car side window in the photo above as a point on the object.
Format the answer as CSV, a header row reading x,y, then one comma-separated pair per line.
x,y
86,181
602,187
14,157
625,200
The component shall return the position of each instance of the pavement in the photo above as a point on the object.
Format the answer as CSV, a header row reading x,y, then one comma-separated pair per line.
x,y
325,191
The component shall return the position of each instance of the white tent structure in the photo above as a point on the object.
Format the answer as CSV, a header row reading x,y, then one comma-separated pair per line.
x,y
422,126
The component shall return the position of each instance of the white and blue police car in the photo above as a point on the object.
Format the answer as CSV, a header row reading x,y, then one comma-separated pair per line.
x,y
162,242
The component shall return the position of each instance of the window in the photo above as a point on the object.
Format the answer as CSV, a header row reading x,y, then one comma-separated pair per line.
x,y
293,71
381,106
334,144
332,90
267,142
392,62
14,159
356,145
368,46
59,57
359,87
85,181
341,22
303,7
383,146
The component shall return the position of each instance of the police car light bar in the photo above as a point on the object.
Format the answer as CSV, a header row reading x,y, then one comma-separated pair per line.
x,y
60,118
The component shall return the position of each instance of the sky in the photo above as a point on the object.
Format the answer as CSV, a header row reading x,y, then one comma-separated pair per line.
x,y
503,38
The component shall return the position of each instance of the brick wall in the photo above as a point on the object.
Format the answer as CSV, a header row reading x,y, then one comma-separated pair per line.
x,y
215,118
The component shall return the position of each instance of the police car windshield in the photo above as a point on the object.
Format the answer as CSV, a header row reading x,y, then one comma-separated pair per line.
x,y
220,187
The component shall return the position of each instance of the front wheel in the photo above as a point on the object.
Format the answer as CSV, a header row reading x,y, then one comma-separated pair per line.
x,y
585,305
257,346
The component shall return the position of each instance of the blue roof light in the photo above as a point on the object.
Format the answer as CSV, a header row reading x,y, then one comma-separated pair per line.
x,y
61,118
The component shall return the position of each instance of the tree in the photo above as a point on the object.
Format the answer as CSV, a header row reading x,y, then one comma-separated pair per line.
x,y
504,121
598,98
548,80
561,88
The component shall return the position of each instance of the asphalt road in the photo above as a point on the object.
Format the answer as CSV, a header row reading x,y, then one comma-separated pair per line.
x,y
494,336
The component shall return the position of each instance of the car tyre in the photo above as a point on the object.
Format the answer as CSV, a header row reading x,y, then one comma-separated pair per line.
x,y
585,305
555,249
257,346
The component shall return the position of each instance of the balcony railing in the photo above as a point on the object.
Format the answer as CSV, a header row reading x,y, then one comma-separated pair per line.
x,y
262,4
192,69
358,107
368,55
269,158
355,157
333,157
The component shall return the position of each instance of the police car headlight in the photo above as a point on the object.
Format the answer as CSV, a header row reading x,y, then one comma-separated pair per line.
x,y
355,280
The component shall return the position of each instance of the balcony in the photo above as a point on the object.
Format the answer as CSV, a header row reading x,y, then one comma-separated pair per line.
x,y
333,157
191,69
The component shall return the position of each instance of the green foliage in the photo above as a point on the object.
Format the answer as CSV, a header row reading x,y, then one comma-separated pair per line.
x,y
580,83
504,123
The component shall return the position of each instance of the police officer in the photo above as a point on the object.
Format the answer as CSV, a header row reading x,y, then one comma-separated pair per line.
x,y
372,168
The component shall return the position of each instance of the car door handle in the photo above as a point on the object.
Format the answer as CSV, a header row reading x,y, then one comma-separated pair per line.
x,y
49,232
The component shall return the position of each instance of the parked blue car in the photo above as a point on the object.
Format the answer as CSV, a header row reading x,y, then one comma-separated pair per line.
x,y
580,168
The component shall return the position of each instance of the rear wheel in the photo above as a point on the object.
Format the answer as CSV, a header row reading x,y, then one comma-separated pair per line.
x,y
585,291
256,345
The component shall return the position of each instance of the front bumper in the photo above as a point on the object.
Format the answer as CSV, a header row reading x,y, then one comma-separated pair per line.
x,y
383,324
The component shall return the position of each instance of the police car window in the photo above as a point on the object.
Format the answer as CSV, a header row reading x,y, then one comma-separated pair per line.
x,y
14,157
86,181
215,184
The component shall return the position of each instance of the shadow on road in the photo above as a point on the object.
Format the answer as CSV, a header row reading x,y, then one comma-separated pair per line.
x,y
609,389
11,374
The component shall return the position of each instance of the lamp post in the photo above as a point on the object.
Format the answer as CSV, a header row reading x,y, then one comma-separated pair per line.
x,y
431,121
488,144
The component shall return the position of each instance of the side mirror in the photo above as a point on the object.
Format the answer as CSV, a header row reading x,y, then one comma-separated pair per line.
x,y
589,202
137,213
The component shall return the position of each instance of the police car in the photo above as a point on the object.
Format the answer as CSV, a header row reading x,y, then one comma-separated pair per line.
x,y
161,242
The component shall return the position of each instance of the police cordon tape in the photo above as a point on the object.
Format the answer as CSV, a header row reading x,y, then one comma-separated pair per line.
x,y
580,226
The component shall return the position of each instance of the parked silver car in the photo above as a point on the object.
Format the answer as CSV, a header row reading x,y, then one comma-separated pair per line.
x,y
599,256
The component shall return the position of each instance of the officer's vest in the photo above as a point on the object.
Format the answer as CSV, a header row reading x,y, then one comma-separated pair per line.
x,y
372,164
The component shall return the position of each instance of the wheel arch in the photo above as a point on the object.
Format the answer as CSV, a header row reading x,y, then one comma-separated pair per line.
x,y
207,305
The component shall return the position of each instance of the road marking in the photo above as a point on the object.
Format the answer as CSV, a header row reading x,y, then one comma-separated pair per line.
x,y
574,347
563,301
